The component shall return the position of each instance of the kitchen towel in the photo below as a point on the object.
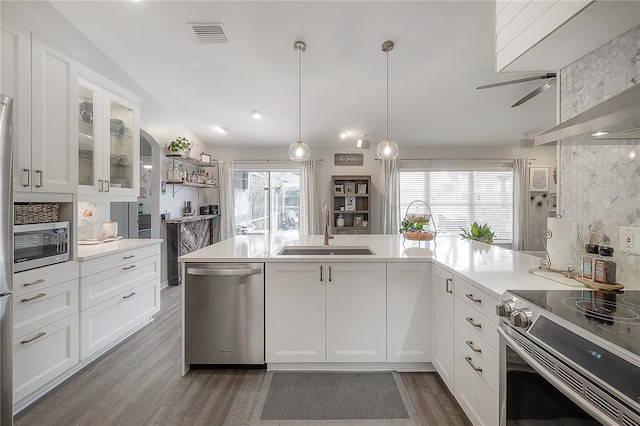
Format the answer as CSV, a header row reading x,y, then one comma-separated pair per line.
x,y
563,234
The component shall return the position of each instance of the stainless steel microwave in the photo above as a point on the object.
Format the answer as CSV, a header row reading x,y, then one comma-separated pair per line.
x,y
40,244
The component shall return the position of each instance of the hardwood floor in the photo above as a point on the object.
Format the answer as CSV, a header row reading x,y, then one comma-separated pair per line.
x,y
139,383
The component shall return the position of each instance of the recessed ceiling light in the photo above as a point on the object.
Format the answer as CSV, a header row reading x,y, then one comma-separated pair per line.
x,y
257,115
632,154
343,135
222,130
601,133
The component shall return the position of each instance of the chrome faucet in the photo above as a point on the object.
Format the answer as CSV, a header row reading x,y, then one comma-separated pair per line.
x,y
327,237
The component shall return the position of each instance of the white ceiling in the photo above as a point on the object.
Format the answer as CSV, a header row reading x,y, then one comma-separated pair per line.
x,y
444,50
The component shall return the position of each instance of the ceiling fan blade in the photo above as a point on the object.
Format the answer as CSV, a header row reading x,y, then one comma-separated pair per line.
x,y
520,80
533,93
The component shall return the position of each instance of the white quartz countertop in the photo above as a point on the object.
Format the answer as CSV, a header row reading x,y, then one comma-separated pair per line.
x,y
111,247
493,268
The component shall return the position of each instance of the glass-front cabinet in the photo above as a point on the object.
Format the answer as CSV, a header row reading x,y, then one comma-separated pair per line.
x,y
108,143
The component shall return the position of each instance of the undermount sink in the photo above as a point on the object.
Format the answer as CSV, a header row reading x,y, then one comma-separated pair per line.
x,y
324,251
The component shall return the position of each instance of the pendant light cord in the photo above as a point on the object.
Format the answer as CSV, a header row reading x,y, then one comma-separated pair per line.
x,y
299,95
387,128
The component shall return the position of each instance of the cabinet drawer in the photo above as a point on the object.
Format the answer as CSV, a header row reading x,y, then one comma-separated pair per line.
x,y
477,298
476,391
482,326
44,354
37,309
104,285
476,346
37,279
108,321
115,260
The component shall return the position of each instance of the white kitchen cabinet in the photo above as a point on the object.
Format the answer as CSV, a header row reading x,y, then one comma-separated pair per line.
x,y
294,312
44,354
108,140
476,353
325,312
443,325
119,293
43,82
409,309
356,312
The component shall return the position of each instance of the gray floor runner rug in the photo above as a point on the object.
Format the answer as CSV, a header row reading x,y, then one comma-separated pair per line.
x,y
333,398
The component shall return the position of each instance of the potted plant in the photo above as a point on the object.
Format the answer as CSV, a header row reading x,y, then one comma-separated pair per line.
x,y
180,144
479,233
414,227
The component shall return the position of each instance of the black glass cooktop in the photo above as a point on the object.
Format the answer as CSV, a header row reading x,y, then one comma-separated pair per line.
x,y
612,316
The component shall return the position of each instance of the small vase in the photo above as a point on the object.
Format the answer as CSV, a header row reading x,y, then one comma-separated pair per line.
x,y
340,221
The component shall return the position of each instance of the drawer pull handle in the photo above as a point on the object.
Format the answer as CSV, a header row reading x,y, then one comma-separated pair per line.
x,y
321,277
129,295
470,361
470,321
131,256
447,282
28,173
470,344
39,335
329,273
40,281
128,267
473,299
34,297
100,185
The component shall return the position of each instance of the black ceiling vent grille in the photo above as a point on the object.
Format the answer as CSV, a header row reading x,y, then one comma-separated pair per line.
x,y
209,33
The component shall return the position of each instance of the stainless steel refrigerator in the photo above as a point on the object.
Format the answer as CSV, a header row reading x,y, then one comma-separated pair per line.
x,y
6,261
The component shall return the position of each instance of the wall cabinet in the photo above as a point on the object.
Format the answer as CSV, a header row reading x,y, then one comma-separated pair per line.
x,y
325,312
108,142
43,82
443,325
409,312
351,201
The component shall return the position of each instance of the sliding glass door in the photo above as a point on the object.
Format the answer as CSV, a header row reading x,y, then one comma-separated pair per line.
x,y
267,202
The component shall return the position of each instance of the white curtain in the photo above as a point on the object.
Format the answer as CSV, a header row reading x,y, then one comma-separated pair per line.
x,y
520,204
227,215
390,192
309,206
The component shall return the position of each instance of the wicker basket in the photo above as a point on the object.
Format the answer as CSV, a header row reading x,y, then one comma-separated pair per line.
x,y
35,213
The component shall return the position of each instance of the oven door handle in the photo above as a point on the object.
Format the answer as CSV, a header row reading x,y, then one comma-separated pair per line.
x,y
566,390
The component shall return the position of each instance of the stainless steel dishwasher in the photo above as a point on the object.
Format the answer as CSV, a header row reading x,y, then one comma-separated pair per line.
x,y
224,313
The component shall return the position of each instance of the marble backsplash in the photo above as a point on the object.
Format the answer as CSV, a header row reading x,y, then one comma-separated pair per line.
x,y
600,183
91,215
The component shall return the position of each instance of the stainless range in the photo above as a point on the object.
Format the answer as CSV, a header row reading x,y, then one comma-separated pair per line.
x,y
569,357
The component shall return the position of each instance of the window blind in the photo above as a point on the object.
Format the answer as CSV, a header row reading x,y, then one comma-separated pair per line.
x,y
459,198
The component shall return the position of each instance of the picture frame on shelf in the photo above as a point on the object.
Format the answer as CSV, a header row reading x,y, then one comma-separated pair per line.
x,y
539,179
358,220
205,158
349,188
338,189
349,203
362,189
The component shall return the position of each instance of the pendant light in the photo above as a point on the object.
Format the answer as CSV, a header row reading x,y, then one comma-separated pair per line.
x,y
387,149
299,151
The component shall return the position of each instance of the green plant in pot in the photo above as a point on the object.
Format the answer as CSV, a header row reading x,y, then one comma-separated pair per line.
x,y
179,144
479,233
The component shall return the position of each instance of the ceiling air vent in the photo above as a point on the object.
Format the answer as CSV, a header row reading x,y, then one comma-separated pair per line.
x,y
209,33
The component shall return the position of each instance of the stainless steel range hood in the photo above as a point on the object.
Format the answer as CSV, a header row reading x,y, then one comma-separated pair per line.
x,y
619,116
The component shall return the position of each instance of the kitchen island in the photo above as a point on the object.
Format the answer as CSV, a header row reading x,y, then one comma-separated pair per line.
x,y
409,306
